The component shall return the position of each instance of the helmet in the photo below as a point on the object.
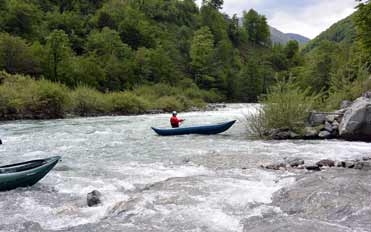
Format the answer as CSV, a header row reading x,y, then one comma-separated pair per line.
x,y
174,113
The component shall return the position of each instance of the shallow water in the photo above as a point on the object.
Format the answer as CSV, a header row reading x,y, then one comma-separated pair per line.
x,y
150,183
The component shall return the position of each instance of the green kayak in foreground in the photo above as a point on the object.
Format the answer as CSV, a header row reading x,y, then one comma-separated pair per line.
x,y
25,174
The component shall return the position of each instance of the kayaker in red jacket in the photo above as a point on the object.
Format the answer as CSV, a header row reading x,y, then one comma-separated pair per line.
x,y
174,121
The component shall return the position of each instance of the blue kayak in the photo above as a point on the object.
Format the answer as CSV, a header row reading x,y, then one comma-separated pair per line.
x,y
202,130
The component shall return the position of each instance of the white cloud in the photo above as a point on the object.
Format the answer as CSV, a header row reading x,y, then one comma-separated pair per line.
x,y
305,17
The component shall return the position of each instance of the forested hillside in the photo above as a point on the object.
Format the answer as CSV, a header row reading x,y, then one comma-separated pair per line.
x,y
116,45
341,32
166,54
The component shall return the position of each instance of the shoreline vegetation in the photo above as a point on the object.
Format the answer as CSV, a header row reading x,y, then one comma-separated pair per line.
x,y
22,97
120,57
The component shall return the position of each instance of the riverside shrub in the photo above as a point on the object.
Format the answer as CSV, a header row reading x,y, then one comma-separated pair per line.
x,y
284,106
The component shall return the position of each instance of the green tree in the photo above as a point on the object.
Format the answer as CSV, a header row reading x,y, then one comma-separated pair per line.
x,y
106,43
256,27
17,56
58,54
216,4
22,18
363,24
201,53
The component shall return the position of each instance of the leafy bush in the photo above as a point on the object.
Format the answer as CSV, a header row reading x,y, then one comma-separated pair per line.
x,y
169,103
285,106
22,97
127,103
88,101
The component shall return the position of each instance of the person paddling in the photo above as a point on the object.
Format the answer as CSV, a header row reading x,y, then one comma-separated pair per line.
x,y
174,121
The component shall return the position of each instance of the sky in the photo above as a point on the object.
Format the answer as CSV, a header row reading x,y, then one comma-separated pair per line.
x,y
304,17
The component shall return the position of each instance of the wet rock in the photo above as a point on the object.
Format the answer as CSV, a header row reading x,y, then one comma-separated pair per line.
x,y
294,162
326,163
94,198
277,166
335,196
345,104
281,223
1,142
312,167
363,165
349,164
316,119
280,134
310,133
324,135
356,123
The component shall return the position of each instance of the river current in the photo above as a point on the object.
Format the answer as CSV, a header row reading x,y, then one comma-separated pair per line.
x,y
148,182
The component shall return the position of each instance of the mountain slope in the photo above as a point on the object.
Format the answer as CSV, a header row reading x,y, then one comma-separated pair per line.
x,y
278,37
340,32
301,39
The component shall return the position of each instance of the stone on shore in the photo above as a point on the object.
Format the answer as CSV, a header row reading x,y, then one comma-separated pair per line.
x,y
326,163
324,135
356,123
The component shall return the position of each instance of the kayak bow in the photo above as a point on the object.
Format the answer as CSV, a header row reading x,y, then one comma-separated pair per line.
x,y
25,174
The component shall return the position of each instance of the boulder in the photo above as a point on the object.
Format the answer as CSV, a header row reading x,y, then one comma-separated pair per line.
x,y
316,119
345,104
324,135
294,162
326,163
277,166
312,167
94,198
280,134
328,127
363,165
356,123
338,197
310,133
331,118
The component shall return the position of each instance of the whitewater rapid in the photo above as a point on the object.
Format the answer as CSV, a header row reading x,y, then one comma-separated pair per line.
x,y
148,182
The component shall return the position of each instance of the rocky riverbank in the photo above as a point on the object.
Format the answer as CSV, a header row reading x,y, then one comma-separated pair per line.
x,y
351,122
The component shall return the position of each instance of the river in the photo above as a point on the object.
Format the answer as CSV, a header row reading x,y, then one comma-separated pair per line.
x,y
148,182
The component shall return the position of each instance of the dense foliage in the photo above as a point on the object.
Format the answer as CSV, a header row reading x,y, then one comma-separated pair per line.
x,y
119,45
22,97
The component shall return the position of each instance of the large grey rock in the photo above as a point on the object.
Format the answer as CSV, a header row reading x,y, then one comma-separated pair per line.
x,y
316,119
289,223
356,123
336,196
